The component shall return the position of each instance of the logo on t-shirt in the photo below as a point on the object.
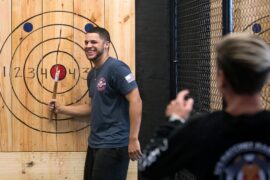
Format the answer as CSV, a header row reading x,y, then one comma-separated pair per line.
x,y
129,78
101,85
245,161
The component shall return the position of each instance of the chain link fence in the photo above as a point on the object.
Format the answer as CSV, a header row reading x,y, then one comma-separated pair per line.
x,y
199,28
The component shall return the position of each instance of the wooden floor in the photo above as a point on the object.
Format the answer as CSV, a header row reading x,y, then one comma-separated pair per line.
x,y
47,166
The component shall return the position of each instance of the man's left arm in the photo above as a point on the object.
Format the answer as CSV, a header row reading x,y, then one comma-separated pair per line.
x,y
135,111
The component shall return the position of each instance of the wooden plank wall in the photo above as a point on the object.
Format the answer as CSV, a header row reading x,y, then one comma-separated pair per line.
x,y
5,117
31,33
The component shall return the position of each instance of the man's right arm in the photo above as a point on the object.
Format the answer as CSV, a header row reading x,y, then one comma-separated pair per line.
x,y
72,110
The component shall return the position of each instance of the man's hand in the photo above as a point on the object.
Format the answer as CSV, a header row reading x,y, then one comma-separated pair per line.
x,y
54,106
134,149
180,106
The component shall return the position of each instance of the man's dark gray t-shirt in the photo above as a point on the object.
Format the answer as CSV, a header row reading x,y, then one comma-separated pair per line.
x,y
108,85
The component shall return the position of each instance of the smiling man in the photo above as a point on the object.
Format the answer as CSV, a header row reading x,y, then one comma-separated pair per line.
x,y
114,109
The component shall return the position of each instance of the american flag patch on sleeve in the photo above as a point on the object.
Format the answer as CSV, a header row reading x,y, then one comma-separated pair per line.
x,y
129,78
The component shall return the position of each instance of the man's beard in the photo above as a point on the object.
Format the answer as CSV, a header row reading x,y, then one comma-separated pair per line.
x,y
98,55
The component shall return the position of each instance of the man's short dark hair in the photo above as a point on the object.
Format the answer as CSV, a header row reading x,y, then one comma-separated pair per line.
x,y
102,32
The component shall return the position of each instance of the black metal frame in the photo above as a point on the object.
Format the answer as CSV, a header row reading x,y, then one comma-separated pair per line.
x,y
226,25
226,17
226,28
173,49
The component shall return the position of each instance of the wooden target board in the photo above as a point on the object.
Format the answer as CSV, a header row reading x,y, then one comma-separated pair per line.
x,y
36,37
254,17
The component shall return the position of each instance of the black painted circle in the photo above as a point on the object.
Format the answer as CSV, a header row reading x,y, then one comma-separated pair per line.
x,y
40,61
30,111
10,73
